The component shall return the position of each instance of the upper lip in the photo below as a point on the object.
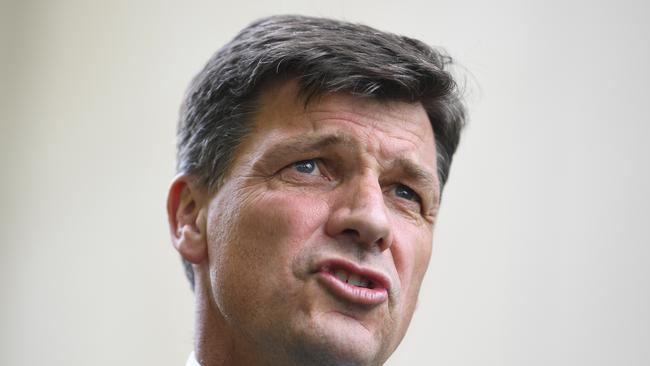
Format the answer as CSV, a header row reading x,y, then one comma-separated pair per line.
x,y
377,278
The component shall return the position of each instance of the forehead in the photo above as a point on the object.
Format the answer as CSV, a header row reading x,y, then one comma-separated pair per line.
x,y
384,127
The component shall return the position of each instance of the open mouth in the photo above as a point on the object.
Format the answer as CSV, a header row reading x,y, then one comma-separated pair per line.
x,y
352,278
353,284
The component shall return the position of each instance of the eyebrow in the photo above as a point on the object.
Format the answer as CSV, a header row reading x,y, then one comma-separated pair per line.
x,y
314,142
303,144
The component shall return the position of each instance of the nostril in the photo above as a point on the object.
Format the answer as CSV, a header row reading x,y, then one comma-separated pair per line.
x,y
351,232
382,243
365,238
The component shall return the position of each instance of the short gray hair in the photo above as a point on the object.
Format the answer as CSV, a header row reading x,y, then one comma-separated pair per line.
x,y
324,56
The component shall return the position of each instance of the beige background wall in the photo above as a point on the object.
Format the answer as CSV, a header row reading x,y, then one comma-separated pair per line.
x,y
542,251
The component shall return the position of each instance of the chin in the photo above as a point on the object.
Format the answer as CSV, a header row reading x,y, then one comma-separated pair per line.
x,y
337,339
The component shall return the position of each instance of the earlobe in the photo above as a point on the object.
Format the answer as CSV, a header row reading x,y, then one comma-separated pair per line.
x,y
184,213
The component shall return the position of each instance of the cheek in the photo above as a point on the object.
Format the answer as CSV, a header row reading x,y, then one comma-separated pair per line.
x,y
279,223
411,253
265,232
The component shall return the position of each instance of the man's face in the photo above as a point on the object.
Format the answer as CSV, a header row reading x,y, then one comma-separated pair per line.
x,y
321,234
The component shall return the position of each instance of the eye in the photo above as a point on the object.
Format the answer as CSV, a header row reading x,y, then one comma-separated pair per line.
x,y
310,171
306,166
407,193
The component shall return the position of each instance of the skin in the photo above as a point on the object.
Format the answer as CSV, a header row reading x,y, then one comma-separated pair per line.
x,y
342,178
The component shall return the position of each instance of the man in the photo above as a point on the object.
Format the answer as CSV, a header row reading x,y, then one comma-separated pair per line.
x,y
311,159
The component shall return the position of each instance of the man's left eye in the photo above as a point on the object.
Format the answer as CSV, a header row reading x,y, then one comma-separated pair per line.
x,y
306,166
406,193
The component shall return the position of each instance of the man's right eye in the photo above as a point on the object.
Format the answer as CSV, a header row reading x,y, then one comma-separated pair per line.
x,y
310,171
307,167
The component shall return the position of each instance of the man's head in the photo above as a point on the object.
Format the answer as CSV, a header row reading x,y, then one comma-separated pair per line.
x,y
311,155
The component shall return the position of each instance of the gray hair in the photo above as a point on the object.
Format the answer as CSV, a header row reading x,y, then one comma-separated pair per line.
x,y
324,56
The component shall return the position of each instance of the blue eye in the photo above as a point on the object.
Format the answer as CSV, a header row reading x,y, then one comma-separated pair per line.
x,y
305,166
406,193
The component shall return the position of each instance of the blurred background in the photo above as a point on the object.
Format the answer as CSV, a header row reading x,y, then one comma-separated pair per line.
x,y
542,249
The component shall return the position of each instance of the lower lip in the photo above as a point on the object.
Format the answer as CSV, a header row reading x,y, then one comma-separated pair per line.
x,y
350,293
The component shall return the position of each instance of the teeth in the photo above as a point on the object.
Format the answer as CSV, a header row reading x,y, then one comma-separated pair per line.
x,y
358,281
353,279
341,275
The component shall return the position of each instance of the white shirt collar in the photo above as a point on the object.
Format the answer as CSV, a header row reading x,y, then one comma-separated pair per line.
x,y
191,361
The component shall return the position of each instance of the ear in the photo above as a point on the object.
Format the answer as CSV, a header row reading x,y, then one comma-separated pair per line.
x,y
184,212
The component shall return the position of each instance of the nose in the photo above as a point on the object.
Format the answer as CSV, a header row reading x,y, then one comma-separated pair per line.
x,y
360,214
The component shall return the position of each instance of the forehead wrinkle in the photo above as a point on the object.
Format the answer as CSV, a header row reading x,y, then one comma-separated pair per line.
x,y
370,112
371,123
368,119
